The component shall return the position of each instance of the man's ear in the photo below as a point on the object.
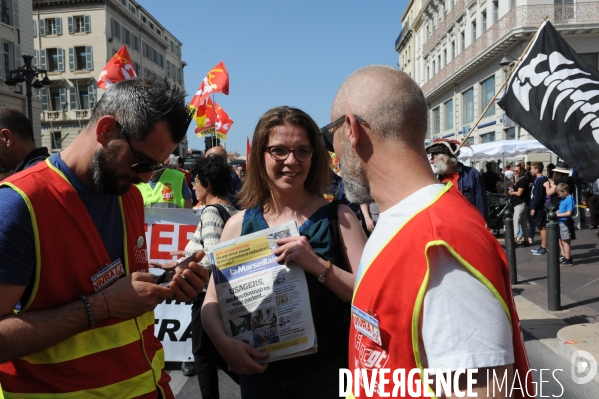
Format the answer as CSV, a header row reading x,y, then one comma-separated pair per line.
x,y
7,137
353,132
107,128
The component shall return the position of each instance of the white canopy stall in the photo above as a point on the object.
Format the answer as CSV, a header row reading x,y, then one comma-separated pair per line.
x,y
501,149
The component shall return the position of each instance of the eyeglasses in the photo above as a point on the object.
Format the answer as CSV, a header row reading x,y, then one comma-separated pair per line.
x,y
142,166
281,153
434,155
327,132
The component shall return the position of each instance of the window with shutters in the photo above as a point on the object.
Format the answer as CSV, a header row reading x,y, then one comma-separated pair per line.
x,y
50,26
80,58
115,28
56,140
83,98
79,24
54,60
55,99
5,14
53,26
6,58
126,36
487,89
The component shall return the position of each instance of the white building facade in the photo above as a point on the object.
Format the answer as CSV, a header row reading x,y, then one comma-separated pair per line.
x,y
15,40
459,45
74,40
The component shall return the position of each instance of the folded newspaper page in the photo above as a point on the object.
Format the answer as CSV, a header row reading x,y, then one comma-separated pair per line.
x,y
263,303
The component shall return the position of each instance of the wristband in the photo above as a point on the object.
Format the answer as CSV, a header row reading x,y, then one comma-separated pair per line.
x,y
88,309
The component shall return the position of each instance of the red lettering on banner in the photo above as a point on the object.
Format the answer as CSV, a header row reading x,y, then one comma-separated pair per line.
x,y
185,234
157,240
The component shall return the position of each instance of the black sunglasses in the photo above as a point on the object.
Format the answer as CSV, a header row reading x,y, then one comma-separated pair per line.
x,y
142,166
327,134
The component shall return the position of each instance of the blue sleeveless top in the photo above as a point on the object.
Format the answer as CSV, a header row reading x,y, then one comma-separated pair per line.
x,y
330,314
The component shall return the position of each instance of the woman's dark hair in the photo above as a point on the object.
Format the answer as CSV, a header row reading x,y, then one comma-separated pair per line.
x,y
213,171
258,188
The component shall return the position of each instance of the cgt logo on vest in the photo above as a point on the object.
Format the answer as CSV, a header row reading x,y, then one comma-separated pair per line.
x,y
371,356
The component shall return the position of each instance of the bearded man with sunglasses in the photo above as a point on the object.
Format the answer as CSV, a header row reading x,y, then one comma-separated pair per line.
x,y
76,298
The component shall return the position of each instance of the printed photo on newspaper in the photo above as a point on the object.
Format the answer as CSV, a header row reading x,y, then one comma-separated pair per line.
x,y
263,303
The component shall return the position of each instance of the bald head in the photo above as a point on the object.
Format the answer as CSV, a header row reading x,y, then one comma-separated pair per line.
x,y
217,150
388,99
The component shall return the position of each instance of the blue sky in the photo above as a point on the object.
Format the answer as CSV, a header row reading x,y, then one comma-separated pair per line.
x,y
278,52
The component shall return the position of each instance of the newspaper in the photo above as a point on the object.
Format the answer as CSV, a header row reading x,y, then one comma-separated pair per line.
x,y
263,303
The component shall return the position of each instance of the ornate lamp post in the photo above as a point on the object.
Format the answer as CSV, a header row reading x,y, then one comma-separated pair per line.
x,y
26,73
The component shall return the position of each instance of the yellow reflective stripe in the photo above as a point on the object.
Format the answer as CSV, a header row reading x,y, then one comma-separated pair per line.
x,y
439,194
133,387
125,246
55,169
157,367
103,338
36,241
476,274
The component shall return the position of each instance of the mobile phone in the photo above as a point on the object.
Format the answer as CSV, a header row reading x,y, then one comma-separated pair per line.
x,y
166,278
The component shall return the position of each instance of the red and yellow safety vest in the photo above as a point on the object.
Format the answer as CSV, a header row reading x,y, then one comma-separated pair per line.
x,y
118,358
393,286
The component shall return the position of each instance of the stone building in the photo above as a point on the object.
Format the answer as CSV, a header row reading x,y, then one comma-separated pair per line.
x,y
74,40
16,40
458,46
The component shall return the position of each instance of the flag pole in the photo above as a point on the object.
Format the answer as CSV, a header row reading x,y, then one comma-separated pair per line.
x,y
504,82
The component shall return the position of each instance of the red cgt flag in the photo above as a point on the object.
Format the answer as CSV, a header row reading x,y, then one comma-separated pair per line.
x,y
217,81
117,69
223,122
208,118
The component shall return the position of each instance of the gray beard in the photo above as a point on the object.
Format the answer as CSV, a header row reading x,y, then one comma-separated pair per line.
x,y
439,167
356,185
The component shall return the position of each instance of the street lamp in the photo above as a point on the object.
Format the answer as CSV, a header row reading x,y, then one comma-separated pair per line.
x,y
26,73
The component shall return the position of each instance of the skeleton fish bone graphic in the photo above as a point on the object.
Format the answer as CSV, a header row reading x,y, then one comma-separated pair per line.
x,y
562,81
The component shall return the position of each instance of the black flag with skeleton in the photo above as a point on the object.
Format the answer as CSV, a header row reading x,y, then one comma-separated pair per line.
x,y
554,94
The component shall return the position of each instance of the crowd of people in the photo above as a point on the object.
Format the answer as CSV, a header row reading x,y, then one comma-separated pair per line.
x,y
81,301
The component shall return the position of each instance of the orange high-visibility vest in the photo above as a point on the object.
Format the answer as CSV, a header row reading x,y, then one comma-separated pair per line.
x,y
393,286
118,358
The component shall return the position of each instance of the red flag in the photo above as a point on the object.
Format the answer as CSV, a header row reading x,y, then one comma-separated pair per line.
x,y
223,122
120,67
247,151
217,81
208,119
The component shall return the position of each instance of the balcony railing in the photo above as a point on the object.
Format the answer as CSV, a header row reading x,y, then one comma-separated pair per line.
x,y
53,115
82,114
404,32
519,17
449,19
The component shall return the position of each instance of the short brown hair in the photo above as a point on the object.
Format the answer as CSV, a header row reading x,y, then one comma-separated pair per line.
x,y
561,187
538,166
258,188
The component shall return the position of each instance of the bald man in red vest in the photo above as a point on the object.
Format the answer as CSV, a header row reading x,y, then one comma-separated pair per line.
x,y
433,288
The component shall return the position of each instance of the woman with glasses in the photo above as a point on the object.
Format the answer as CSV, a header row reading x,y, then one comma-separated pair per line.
x,y
285,181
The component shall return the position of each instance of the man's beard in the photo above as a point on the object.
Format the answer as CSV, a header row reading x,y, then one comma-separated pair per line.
x,y
355,182
440,165
103,174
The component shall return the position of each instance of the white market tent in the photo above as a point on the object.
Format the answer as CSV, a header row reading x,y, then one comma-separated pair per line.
x,y
502,149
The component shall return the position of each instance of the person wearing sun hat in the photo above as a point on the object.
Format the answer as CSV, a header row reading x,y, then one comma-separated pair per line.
x,y
444,160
